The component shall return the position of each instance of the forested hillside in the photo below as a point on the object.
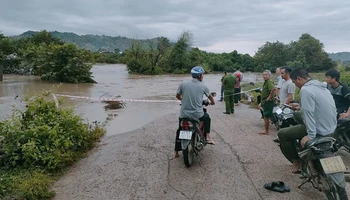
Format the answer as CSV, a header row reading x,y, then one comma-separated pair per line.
x,y
94,42
343,57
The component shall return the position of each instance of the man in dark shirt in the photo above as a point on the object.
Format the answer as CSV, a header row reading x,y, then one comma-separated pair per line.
x,y
340,92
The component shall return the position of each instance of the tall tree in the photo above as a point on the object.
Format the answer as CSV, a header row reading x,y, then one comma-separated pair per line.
x,y
178,59
312,50
271,55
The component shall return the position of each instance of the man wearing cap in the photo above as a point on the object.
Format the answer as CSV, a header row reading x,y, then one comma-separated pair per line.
x,y
190,93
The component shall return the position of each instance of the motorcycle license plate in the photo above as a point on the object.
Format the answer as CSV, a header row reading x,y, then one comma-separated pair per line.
x,y
279,111
185,135
333,165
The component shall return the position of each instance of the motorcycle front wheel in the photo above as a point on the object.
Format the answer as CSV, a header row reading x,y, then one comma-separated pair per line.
x,y
188,153
336,192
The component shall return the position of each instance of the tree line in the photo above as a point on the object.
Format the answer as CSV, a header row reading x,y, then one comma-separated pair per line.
x,y
307,52
52,59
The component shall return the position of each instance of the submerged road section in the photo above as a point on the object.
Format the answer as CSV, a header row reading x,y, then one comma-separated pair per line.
x,y
141,164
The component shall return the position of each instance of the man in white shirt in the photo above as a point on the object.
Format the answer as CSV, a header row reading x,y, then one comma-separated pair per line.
x,y
288,88
280,81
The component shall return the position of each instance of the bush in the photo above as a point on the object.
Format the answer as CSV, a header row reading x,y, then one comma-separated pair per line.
x,y
345,78
45,140
36,186
43,136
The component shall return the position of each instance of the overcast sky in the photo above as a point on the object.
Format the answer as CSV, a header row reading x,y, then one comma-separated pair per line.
x,y
217,25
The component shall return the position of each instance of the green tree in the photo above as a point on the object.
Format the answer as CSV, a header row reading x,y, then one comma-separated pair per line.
x,y
155,54
179,59
134,58
44,37
62,63
271,55
312,50
247,62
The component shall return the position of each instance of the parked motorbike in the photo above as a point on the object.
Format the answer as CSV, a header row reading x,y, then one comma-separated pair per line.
x,y
322,167
191,136
342,133
283,116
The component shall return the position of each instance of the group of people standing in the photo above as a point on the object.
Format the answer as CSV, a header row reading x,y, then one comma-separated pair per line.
x,y
231,90
320,105
283,93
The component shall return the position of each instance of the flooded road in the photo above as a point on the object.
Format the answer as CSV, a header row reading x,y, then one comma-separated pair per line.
x,y
112,80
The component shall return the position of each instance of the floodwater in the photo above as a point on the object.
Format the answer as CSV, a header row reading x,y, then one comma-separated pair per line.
x,y
112,80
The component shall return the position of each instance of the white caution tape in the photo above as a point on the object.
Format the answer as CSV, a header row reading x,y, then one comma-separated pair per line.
x,y
116,99
129,100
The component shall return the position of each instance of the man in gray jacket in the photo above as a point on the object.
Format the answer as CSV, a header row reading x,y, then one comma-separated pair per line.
x,y
319,114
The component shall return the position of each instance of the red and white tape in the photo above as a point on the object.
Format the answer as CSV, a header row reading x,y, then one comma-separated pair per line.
x,y
116,99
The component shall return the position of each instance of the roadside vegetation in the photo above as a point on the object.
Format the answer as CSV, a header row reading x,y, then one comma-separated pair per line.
x,y
39,144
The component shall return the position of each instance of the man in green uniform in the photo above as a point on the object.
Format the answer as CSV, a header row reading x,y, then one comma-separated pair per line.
x,y
229,86
267,100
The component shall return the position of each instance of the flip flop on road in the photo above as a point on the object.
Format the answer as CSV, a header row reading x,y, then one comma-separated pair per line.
x,y
277,186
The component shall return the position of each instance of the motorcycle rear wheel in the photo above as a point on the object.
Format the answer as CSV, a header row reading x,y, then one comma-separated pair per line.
x,y
336,192
188,154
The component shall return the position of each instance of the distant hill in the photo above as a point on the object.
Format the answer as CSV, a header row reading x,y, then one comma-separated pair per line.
x,y
94,42
344,57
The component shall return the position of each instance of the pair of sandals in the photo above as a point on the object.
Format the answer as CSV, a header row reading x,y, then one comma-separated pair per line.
x,y
277,186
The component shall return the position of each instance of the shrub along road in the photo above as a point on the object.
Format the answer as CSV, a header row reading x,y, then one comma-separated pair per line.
x,y
140,164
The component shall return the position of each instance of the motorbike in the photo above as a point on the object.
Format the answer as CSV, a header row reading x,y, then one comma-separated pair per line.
x,y
282,115
190,137
322,167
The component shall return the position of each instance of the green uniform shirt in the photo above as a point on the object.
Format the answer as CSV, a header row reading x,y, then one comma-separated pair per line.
x,y
266,90
229,82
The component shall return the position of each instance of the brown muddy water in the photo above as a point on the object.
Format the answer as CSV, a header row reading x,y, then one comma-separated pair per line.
x,y
112,80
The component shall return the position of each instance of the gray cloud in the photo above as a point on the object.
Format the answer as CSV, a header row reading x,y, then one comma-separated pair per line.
x,y
217,26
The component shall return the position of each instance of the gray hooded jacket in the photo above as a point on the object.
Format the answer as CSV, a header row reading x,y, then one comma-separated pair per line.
x,y
318,109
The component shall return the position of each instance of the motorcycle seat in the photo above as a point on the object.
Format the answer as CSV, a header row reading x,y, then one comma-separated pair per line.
x,y
342,121
189,119
318,140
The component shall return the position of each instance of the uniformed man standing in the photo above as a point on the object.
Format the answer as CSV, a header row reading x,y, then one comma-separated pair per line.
x,y
229,86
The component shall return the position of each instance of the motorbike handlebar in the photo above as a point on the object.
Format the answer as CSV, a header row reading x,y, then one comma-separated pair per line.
x,y
288,106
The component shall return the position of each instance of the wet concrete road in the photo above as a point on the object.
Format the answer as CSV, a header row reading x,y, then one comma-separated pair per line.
x,y
140,164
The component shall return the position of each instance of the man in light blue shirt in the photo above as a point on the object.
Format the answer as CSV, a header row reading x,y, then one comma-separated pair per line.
x,y
319,114
280,82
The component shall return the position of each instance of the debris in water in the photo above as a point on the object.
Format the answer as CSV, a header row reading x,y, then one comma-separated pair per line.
x,y
112,105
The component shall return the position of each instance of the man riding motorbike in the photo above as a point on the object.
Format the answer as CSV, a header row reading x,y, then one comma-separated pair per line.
x,y
319,115
190,93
